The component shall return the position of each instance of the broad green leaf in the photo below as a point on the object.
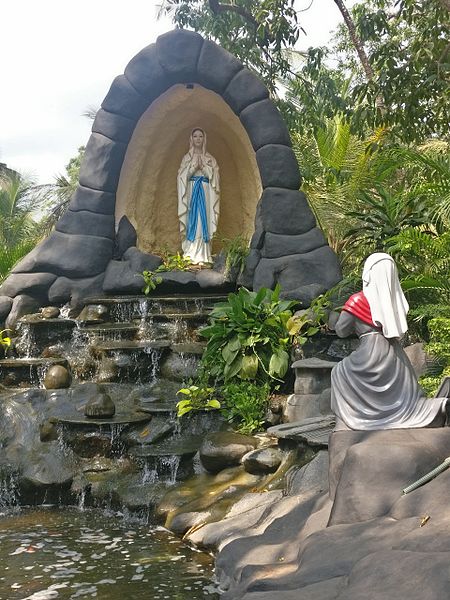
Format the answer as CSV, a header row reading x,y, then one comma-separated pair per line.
x,y
279,363
249,367
186,392
233,369
213,403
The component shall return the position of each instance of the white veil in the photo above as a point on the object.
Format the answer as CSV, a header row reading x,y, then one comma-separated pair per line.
x,y
382,289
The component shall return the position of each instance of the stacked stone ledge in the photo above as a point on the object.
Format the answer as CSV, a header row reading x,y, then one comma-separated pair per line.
x,y
75,257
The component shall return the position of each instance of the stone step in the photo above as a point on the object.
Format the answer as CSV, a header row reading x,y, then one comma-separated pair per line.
x,y
128,308
36,333
314,431
26,372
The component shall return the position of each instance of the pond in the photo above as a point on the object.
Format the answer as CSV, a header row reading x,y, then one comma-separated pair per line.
x,y
65,553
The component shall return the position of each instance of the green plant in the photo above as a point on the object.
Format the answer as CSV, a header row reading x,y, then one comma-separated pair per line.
x,y
5,341
248,337
196,397
245,405
236,250
171,262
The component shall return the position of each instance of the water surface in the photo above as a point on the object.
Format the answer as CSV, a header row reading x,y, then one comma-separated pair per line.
x,y
64,553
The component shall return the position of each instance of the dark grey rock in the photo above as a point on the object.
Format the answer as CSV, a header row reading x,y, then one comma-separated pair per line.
x,y
124,100
141,261
126,237
278,167
264,124
208,278
173,279
178,53
418,358
102,163
93,200
160,428
57,377
76,291
34,284
5,306
285,212
276,245
312,477
120,278
94,313
85,222
216,67
251,262
75,256
244,89
319,268
257,239
225,449
22,305
177,367
101,406
146,75
263,460
113,126
46,465
50,312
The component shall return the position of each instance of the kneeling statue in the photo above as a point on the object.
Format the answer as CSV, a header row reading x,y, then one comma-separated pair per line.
x,y
376,387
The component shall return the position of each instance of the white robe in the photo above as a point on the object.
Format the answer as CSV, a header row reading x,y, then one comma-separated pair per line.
x,y
198,250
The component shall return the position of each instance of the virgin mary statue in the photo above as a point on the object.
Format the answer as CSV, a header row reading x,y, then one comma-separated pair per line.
x,y
198,199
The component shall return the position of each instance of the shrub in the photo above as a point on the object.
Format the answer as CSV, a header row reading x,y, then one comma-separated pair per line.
x,y
245,405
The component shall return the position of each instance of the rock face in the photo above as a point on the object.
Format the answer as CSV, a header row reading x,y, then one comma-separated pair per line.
x,y
362,540
286,247
224,449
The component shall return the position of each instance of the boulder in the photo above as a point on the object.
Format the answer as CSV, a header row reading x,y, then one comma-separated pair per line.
x,y
102,163
50,312
418,357
141,261
123,99
262,461
285,212
277,245
120,278
100,406
94,313
225,449
244,89
85,222
178,52
278,167
96,201
114,126
312,477
264,123
146,74
75,290
180,368
216,67
22,305
34,284
126,237
69,255
5,306
57,377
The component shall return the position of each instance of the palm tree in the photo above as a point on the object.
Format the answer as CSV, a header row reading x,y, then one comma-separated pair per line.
x,y
19,231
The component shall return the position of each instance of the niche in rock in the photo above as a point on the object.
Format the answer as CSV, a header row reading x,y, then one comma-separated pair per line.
x,y
147,191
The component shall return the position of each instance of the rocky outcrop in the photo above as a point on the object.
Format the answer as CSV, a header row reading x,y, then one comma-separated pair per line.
x,y
363,539
286,247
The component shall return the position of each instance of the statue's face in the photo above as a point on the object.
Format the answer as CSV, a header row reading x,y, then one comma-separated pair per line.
x,y
197,138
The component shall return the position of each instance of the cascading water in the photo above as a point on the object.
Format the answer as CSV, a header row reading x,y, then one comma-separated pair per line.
x,y
26,341
9,492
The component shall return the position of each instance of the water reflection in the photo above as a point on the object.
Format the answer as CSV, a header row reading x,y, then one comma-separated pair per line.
x,y
62,553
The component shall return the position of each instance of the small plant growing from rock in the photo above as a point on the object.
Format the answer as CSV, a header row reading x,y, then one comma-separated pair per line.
x,y
196,397
5,341
245,405
172,262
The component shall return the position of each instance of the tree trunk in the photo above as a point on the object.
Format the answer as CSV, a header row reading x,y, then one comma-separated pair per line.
x,y
355,39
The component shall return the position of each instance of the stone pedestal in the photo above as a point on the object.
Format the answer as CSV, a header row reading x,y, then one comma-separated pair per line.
x,y
312,390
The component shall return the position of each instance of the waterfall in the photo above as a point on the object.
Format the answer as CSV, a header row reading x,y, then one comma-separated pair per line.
x,y
26,341
9,493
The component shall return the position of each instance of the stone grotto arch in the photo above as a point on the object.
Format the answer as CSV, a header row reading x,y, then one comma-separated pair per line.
x,y
89,253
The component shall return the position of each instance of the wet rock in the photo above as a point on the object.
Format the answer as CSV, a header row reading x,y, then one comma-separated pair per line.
x,y
264,460
22,305
94,313
150,433
50,312
89,444
107,370
57,377
178,367
101,406
48,432
312,477
225,449
5,306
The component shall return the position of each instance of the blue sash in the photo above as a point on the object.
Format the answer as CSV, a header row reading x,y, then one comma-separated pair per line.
x,y
196,208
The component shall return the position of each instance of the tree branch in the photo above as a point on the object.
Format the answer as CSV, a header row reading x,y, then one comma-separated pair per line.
x,y
217,8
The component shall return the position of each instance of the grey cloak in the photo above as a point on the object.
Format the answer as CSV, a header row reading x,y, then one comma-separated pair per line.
x,y
376,387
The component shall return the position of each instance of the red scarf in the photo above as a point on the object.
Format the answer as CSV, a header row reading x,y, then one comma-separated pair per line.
x,y
358,306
